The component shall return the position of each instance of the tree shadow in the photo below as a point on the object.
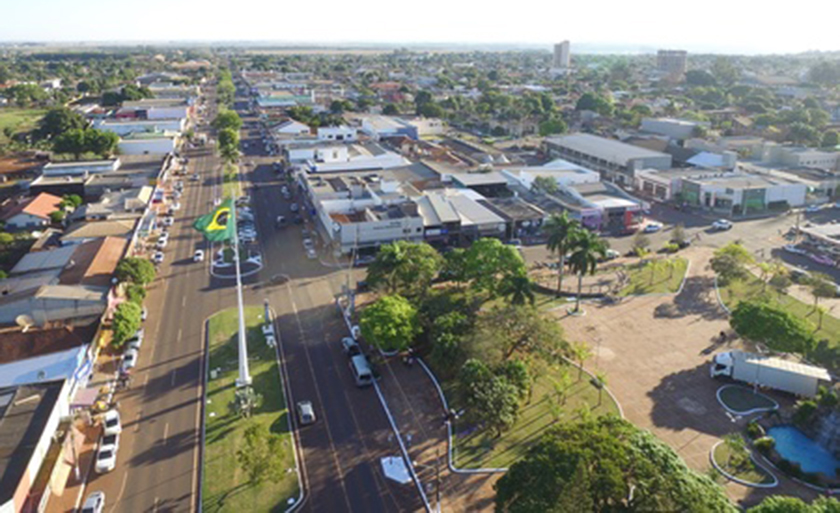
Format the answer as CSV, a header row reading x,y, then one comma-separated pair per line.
x,y
696,299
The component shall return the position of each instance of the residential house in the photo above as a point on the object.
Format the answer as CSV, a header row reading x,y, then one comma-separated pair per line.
x,y
29,213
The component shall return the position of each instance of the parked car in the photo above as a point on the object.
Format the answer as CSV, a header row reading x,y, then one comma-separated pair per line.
x,y
306,413
162,242
308,244
106,458
611,254
168,221
796,250
129,360
721,225
280,221
144,314
158,257
652,227
195,177
294,207
198,256
95,503
822,259
134,342
356,332
813,208
350,346
111,422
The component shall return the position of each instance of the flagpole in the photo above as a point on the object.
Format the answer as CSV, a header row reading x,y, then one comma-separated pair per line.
x,y
244,375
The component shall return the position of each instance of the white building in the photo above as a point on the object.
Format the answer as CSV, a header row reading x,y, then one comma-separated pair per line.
x,y
154,144
563,172
78,168
677,129
128,126
562,55
795,156
292,128
333,157
337,133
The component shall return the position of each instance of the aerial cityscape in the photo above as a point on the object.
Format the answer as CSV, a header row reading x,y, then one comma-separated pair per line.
x,y
397,272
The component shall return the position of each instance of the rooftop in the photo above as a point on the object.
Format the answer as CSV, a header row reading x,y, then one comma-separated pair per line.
x,y
40,206
19,345
24,411
608,149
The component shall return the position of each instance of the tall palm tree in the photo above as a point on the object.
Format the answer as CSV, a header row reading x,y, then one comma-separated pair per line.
x,y
518,288
561,230
586,249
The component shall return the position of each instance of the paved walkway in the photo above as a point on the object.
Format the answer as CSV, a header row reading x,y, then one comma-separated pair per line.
x,y
655,353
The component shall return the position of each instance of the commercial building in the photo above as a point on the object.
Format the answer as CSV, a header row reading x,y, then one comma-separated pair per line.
x,y
123,127
563,172
165,108
672,62
676,129
615,161
327,157
562,57
80,168
148,143
378,126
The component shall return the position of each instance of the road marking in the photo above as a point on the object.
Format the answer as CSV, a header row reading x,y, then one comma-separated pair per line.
x,y
155,507
173,377
137,423
165,433
122,490
184,301
179,334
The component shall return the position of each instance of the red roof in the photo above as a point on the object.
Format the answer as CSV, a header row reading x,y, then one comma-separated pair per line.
x,y
41,206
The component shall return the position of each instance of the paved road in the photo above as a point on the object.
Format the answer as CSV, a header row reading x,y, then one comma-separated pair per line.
x,y
341,452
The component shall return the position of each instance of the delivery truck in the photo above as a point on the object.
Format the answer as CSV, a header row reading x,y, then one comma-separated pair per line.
x,y
770,371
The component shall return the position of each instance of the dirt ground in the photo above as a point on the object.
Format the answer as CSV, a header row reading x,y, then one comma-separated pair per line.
x,y
655,353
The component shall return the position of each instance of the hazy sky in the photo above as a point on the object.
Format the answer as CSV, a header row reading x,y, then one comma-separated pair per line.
x,y
714,25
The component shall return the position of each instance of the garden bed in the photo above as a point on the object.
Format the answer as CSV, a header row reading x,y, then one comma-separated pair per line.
x,y
749,473
744,401
660,276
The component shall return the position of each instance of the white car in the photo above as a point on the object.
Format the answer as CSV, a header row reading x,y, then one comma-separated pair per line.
x,y
144,314
308,244
168,221
721,225
356,332
157,257
311,254
796,250
813,208
198,256
652,227
106,456
111,422
306,414
129,360
162,242
95,503
611,254
176,206
350,347
134,342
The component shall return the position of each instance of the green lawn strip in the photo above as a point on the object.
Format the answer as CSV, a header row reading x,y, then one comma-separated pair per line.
x,y
225,486
750,472
742,399
753,288
20,120
662,280
231,186
481,449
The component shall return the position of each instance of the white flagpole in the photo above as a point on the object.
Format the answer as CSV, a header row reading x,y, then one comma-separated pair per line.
x,y
244,375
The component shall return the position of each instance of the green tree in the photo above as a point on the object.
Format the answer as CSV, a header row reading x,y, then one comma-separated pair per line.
x,y
57,217
779,329
229,144
135,270
6,238
545,184
782,504
580,352
830,139
405,268
560,231
126,321
488,262
391,109
626,469
801,133
110,99
730,262
59,120
641,242
587,249
507,331
71,141
518,289
821,286
552,126
135,293
724,71
101,142
678,234
698,77
227,119
390,323
491,400
259,456
74,200
595,103
739,455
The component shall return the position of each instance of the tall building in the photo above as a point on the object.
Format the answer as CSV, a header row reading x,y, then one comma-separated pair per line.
x,y
672,62
562,55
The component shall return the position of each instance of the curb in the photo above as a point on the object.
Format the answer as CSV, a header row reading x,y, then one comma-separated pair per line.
x,y
743,413
727,475
720,299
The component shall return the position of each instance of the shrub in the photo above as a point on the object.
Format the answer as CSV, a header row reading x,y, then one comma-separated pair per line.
x,y
804,412
765,444
790,468
754,430
670,247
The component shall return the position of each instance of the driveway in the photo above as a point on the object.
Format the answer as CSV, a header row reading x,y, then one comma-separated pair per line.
x,y
654,351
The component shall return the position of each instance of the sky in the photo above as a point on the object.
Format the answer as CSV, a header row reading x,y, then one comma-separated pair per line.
x,y
718,26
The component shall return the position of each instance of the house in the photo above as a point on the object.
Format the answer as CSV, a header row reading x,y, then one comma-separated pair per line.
x,y
70,304
30,213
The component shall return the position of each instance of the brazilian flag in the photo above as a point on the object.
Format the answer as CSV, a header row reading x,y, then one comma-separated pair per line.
x,y
218,225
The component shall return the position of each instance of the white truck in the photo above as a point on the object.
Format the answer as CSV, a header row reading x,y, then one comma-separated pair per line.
x,y
769,371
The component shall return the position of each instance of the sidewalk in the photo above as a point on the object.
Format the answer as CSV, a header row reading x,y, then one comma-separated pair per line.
x,y
414,403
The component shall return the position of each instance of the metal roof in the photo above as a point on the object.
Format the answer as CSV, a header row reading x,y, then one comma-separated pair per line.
x,y
786,365
607,149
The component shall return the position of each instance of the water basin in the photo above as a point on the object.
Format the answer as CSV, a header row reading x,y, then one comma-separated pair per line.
x,y
793,445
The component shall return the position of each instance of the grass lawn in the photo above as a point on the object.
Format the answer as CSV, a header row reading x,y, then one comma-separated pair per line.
x,y
742,399
750,472
225,486
475,448
20,120
753,288
232,188
656,278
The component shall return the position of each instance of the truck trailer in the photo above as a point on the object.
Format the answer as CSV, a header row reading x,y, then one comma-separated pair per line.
x,y
770,371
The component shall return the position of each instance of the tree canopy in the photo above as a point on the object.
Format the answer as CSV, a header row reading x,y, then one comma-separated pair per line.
x,y
227,119
126,321
135,270
730,261
390,323
405,268
783,504
59,120
488,263
605,465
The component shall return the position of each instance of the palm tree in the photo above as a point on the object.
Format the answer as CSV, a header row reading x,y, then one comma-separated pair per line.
x,y
587,248
561,230
518,289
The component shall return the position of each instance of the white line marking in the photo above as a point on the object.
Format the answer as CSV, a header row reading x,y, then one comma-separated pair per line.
x,y
173,377
184,301
165,432
179,334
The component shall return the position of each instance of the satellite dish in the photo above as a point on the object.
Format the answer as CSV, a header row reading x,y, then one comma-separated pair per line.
x,y
24,321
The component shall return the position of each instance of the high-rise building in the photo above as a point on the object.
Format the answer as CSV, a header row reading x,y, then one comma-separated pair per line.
x,y
562,55
672,62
